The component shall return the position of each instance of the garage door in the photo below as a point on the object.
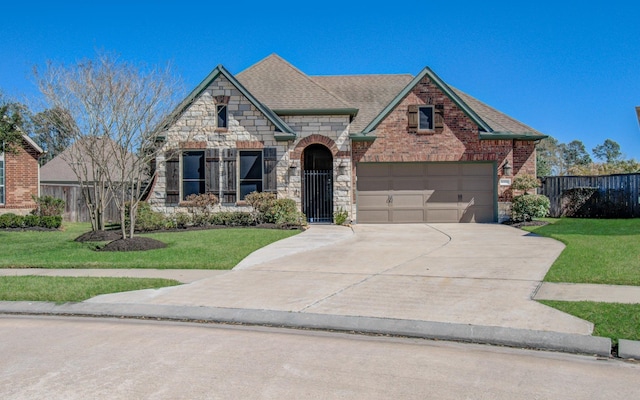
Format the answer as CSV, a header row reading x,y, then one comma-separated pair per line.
x,y
425,192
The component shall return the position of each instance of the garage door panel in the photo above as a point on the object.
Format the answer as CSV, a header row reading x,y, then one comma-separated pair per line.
x,y
374,216
370,200
414,200
373,170
374,184
407,170
478,198
441,183
476,183
442,196
477,214
435,215
476,169
415,183
407,216
443,170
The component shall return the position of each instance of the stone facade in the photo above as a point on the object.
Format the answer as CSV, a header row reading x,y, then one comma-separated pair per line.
x,y
248,128
21,178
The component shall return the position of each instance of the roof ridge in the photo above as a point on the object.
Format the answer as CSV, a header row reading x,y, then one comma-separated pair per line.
x,y
302,74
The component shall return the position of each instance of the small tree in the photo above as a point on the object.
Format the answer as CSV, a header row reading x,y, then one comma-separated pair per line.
x,y
114,109
525,182
11,124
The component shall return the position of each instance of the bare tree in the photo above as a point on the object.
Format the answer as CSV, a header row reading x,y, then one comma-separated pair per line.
x,y
116,107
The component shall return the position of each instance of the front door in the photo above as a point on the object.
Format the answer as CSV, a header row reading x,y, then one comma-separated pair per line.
x,y
318,184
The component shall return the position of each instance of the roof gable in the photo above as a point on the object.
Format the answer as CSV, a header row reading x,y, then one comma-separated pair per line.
x,y
213,75
443,86
287,90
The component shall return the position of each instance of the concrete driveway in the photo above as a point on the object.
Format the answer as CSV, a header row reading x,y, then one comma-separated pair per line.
x,y
478,274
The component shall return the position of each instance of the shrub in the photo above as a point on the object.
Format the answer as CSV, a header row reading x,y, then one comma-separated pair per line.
x,y
11,220
240,218
181,220
31,221
340,216
48,206
525,182
200,205
147,219
51,221
280,210
528,206
261,203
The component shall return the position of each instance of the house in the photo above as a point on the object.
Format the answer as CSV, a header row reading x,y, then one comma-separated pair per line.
x,y
385,148
19,177
61,176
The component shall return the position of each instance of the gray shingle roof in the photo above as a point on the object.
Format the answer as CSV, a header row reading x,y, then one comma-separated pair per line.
x,y
368,93
281,86
285,89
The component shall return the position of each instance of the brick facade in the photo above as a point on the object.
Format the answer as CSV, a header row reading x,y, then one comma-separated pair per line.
x,y
457,140
21,180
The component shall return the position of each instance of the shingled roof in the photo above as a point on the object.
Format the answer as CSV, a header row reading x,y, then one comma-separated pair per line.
x,y
367,98
286,90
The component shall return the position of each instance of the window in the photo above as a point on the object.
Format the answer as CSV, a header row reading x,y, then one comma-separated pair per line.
x,y
193,181
221,113
250,172
425,118
1,178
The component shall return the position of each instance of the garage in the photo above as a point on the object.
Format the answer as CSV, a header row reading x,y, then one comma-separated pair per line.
x,y
426,192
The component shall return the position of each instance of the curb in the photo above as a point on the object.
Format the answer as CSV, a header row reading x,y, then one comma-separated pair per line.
x,y
511,337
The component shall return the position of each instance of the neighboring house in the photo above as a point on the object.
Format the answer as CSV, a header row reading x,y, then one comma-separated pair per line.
x,y
58,179
385,148
19,177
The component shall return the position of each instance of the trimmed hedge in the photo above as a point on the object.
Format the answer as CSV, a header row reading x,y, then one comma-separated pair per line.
x,y
13,221
529,206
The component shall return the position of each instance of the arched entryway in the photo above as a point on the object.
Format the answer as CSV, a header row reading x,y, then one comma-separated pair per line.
x,y
317,178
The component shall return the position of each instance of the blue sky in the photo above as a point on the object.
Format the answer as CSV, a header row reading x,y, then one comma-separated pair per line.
x,y
571,71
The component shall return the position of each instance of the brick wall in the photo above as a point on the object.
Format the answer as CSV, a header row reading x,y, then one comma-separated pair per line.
x,y
457,140
21,180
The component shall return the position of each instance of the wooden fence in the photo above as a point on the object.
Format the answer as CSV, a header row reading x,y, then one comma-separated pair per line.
x,y
603,196
75,207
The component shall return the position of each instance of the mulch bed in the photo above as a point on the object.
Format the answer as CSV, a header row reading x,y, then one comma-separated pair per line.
x,y
99,236
136,243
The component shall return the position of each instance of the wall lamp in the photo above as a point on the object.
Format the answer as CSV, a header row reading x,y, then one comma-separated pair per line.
x,y
506,168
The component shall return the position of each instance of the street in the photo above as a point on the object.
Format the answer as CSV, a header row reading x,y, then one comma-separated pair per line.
x,y
90,358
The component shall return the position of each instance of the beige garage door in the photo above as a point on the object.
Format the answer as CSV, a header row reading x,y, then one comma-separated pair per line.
x,y
425,192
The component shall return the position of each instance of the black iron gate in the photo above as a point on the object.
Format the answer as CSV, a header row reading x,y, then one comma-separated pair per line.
x,y
318,195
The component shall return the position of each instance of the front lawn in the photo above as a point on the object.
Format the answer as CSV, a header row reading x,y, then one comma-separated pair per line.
x,y
198,249
61,289
612,320
604,251
600,251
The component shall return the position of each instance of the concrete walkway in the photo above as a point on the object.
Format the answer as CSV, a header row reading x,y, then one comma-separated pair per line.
x,y
451,281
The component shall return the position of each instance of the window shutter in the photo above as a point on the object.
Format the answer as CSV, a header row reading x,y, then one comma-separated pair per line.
x,y
229,176
439,117
212,171
172,176
413,116
270,179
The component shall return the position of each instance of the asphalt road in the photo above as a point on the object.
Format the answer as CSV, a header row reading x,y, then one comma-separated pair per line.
x,y
87,358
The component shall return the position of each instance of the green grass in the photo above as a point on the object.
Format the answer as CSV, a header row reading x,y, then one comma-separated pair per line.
x,y
201,249
612,320
65,289
603,251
